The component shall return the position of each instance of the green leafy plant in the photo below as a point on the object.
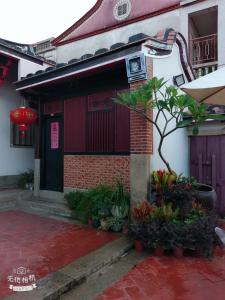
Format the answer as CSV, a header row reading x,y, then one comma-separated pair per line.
x,y
97,203
165,213
170,105
142,211
180,195
26,178
116,223
74,198
80,203
101,199
120,201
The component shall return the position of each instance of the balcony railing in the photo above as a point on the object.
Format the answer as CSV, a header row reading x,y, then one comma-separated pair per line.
x,y
203,49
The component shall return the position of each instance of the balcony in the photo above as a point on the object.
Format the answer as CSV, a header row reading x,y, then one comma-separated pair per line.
x,y
203,53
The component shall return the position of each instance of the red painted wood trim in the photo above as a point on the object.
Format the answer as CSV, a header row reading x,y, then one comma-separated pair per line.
x,y
186,72
192,3
57,42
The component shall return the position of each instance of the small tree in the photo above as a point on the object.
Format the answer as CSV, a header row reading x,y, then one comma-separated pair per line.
x,y
178,110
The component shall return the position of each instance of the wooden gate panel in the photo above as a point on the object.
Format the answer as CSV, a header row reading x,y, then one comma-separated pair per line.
x,y
206,164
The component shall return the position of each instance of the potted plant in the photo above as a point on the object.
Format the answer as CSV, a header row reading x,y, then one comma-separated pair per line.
x,y
26,180
138,245
158,251
116,224
136,231
178,251
101,198
120,201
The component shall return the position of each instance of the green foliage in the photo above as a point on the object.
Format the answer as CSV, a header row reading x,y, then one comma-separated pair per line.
x,y
165,212
97,203
116,223
199,235
74,198
179,196
25,178
101,199
120,201
170,104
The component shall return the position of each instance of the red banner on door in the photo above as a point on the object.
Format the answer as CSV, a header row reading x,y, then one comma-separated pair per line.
x,y
55,135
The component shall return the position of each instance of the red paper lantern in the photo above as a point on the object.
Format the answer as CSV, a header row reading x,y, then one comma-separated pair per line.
x,y
23,117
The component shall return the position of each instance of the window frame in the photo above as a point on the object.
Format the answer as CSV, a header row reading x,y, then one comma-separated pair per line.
x,y
31,129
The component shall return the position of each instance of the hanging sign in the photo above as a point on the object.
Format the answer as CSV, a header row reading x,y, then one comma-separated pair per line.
x,y
55,135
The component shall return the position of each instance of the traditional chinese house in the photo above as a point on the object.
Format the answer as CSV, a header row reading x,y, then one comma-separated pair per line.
x,y
84,138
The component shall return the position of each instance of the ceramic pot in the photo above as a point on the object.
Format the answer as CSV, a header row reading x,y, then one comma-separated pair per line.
x,y
138,245
206,195
116,227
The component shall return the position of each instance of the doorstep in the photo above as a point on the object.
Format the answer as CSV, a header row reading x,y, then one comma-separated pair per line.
x,y
57,196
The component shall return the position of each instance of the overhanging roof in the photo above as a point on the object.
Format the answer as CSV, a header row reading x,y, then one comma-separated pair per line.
x,y
76,68
20,50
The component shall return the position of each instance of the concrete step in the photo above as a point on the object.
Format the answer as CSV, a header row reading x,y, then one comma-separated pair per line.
x,y
46,206
73,275
9,197
106,277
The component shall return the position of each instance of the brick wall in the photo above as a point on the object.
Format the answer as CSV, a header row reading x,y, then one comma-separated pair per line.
x,y
141,131
83,171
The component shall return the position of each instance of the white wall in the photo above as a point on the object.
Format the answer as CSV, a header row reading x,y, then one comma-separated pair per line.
x,y
176,146
12,160
105,40
26,67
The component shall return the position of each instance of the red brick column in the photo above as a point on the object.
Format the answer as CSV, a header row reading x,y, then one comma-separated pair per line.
x,y
141,147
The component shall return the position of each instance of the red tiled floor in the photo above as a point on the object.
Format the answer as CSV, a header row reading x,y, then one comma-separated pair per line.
x,y
42,244
168,278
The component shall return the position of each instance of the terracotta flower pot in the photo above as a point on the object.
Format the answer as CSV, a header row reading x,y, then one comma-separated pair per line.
x,y
138,245
90,222
178,252
159,251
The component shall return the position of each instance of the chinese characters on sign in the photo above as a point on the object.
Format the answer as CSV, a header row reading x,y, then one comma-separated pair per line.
x,y
22,280
55,135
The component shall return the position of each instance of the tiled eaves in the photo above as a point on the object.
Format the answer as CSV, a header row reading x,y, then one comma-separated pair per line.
x,y
89,60
12,49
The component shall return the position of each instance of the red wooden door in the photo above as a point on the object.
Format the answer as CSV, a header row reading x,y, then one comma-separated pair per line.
x,y
207,165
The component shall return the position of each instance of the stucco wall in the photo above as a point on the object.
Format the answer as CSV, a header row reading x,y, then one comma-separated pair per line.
x,y
26,67
105,40
12,160
176,147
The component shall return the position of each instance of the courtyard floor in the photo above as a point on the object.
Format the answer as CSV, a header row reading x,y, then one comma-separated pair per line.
x,y
168,278
41,246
